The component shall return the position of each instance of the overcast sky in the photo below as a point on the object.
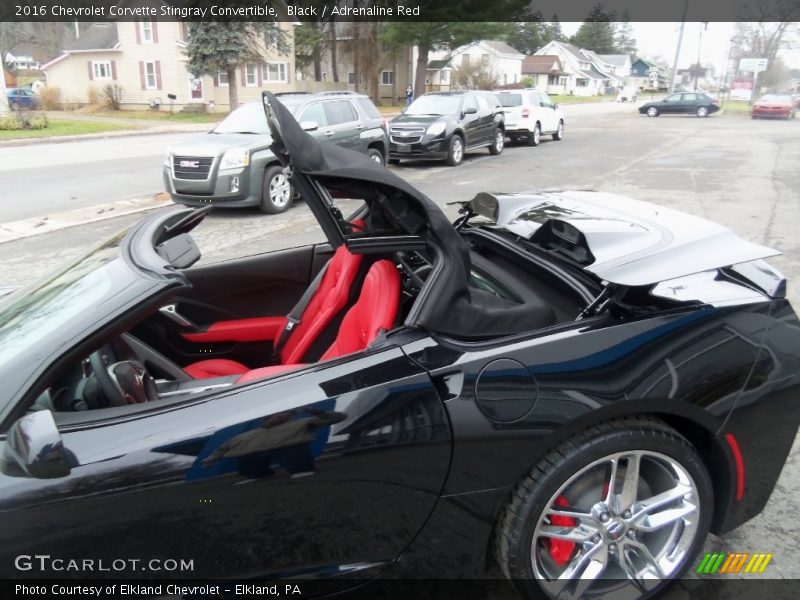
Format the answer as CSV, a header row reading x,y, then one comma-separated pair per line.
x,y
654,39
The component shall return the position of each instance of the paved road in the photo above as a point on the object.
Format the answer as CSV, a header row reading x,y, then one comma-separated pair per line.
x,y
730,169
40,179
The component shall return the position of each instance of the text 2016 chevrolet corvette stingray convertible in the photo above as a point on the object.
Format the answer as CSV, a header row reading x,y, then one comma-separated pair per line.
x,y
570,389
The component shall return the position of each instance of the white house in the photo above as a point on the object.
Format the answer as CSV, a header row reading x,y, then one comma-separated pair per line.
x,y
498,58
147,59
585,73
546,72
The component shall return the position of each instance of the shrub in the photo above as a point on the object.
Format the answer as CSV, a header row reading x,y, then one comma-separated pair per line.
x,y
50,97
112,96
526,81
38,122
10,122
92,95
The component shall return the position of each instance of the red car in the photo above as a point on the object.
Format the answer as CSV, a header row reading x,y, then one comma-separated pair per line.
x,y
774,106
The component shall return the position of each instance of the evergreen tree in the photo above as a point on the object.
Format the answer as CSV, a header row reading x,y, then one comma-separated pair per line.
x,y
528,37
626,43
597,32
221,46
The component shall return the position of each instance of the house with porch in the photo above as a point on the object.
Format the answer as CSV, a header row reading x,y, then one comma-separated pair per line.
x,y
585,73
640,77
497,59
547,73
147,60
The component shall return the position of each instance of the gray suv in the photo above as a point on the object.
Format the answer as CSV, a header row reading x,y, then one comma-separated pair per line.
x,y
232,165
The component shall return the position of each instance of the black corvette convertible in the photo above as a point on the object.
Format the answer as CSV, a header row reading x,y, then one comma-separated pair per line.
x,y
568,389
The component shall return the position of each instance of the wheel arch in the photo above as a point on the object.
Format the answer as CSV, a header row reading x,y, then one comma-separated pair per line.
x,y
697,425
378,145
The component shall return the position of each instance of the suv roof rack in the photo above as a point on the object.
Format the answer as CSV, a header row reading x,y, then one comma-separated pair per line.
x,y
339,93
293,94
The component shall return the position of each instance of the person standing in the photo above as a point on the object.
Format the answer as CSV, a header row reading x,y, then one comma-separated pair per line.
x,y
409,94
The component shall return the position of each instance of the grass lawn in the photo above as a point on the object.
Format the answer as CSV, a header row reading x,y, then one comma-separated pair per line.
x,y
390,110
581,99
61,128
161,115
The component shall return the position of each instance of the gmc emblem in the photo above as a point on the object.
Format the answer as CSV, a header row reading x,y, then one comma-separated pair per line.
x,y
191,164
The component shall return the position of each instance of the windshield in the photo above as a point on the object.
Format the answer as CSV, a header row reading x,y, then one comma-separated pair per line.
x,y
30,316
434,104
775,98
249,118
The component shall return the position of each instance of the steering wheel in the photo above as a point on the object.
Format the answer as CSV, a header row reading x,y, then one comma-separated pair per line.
x,y
124,382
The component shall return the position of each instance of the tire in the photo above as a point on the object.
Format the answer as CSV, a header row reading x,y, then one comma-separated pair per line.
x,y
575,477
499,142
702,111
652,111
535,136
559,133
276,197
375,155
455,151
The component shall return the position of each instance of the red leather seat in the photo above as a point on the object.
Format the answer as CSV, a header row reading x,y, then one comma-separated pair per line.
x,y
327,302
375,311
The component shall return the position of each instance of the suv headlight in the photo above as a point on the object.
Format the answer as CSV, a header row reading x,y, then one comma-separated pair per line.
x,y
437,128
235,158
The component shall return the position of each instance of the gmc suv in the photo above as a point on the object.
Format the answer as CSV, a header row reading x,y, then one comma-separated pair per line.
x,y
232,165
445,125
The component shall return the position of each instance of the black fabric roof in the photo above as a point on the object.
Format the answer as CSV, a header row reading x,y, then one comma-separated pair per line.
x,y
452,306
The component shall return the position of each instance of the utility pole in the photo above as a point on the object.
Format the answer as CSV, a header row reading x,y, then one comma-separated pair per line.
x,y
678,48
699,47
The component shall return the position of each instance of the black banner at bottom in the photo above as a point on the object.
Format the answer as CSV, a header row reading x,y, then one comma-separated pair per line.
x,y
393,589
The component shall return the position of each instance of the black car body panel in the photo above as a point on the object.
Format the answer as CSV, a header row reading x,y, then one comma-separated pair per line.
x,y
397,459
686,103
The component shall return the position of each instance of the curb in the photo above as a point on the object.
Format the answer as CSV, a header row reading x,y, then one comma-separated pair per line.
x,y
61,139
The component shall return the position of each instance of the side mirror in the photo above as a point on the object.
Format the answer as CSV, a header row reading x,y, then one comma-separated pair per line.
x,y
309,125
555,106
469,111
34,449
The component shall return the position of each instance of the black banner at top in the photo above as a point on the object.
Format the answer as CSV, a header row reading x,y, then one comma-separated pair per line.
x,y
396,10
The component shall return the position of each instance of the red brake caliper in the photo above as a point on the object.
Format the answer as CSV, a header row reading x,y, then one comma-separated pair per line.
x,y
561,550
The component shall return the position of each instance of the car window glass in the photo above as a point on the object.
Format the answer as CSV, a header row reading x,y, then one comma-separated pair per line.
x,y
510,100
369,108
315,112
673,98
545,98
469,102
690,97
483,103
339,111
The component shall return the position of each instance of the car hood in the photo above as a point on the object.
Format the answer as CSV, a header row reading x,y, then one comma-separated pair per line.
x,y
423,120
620,240
213,144
772,105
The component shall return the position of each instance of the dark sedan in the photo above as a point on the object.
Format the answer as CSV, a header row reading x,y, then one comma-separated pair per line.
x,y
570,388
683,103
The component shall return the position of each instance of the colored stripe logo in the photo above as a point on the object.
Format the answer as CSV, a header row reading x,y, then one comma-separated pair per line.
x,y
737,562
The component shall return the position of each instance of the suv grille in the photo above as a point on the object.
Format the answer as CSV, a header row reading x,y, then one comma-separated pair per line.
x,y
406,135
191,167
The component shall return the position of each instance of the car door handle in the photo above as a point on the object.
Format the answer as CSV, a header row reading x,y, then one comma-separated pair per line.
x,y
360,126
328,133
171,312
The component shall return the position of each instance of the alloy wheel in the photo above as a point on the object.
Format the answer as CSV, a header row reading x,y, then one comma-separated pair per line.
x,y
458,150
280,190
499,140
617,528
537,135
702,111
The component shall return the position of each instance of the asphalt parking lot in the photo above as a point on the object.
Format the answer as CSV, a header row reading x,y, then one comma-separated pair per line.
x,y
741,173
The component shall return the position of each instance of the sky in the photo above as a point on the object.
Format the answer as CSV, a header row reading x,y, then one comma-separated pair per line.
x,y
660,39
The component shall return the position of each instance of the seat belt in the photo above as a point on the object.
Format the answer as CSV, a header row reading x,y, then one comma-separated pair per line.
x,y
295,315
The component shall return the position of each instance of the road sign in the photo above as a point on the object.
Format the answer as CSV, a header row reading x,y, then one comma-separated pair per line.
x,y
754,65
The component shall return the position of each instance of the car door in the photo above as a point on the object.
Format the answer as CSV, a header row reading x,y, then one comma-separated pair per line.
x,y
689,103
670,104
550,122
471,122
324,472
315,113
342,128
486,113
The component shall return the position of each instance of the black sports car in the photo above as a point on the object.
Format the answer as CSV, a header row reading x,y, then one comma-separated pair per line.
x,y
684,103
568,388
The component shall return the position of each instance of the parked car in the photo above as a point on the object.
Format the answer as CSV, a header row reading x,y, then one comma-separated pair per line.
x,y
687,103
445,125
773,106
628,94
232,165
572,386
21,98
529,113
